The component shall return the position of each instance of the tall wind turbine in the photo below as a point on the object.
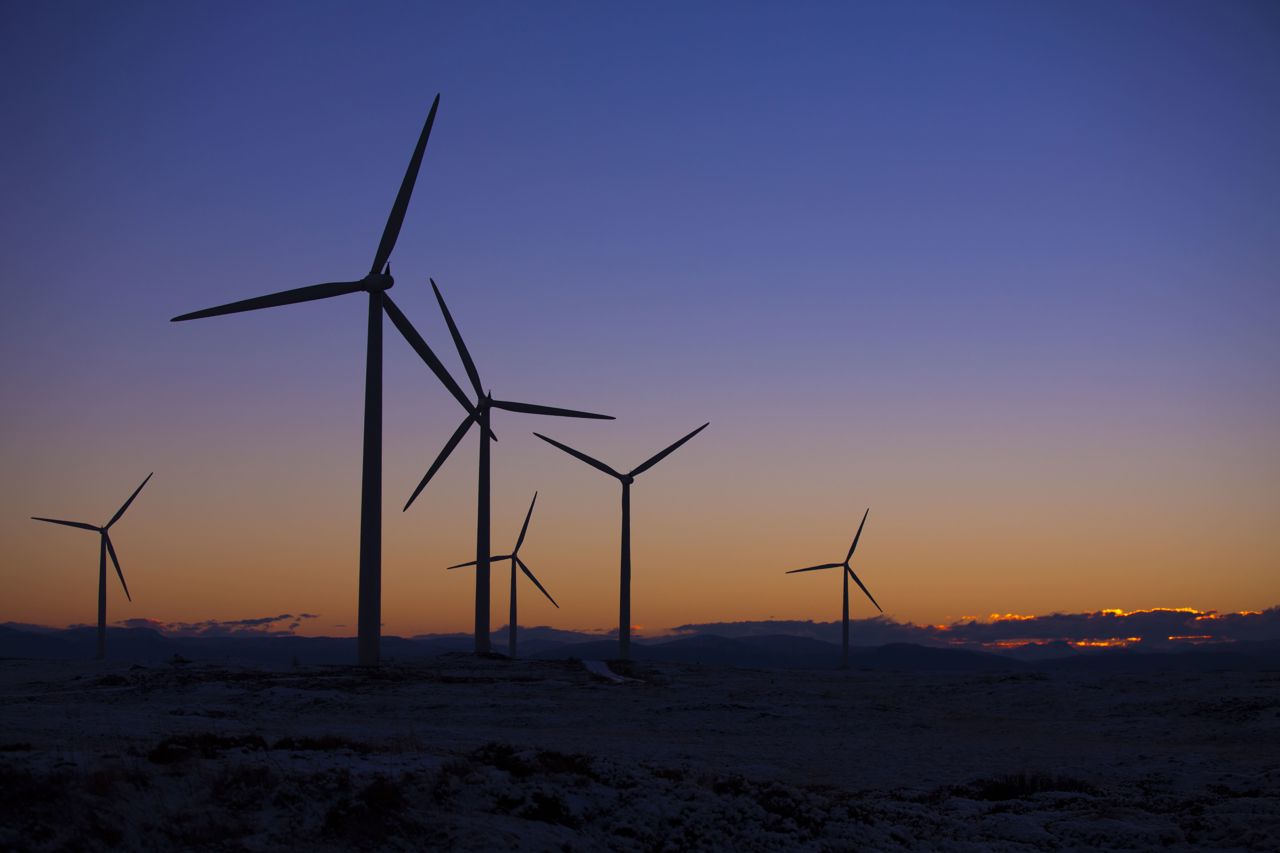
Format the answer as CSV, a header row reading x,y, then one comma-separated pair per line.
x,y
376,284
846,574
104,548
479,413
514,557
624,594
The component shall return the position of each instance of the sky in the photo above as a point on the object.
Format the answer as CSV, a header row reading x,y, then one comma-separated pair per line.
x,y
1005,273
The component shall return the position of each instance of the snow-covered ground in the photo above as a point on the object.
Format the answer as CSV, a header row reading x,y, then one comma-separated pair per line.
x,y
489,754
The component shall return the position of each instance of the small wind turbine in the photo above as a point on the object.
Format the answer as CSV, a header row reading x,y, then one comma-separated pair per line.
x,y
478,413
624,594
514,557
846,574
376,283
104,548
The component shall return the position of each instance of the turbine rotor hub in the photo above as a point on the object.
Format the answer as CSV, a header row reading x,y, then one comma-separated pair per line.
x,y
375,281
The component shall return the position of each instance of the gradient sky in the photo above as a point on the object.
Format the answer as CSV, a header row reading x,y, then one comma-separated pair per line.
x,y
1004,272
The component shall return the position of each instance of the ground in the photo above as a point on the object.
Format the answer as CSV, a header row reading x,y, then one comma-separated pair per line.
x,y
484,754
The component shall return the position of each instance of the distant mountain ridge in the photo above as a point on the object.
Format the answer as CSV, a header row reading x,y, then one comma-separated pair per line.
x,y
778,651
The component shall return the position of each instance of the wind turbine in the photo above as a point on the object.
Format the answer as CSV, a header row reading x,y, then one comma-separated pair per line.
x,y
846,574
514,557
376,283
104,548
479,413
624,594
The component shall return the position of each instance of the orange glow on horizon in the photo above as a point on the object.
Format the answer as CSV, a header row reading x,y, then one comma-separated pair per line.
x,y
1213,614
1118,612
1111,642
1107,642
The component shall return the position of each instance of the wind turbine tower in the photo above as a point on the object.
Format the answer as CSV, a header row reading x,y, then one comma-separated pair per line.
x,y
514,557
624,582
376,283
478,413
105,548
846,574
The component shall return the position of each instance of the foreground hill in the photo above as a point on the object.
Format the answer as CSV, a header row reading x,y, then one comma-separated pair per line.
x,y
485,754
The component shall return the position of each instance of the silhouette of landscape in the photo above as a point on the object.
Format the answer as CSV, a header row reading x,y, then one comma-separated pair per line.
x,y
460,751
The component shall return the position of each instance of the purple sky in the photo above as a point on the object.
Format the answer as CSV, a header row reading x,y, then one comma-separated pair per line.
x,y
1005,272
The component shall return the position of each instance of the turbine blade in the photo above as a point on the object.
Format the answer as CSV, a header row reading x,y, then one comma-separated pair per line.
x,y
116,560
498,559
284,297
658,457
120,511
79,524
467,363
525,527
816,568
444,454
863,588
396,219
415,340
594,463
526,570
849,556
532,409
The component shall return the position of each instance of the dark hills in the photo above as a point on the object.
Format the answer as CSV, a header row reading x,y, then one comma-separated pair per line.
x,y
779,651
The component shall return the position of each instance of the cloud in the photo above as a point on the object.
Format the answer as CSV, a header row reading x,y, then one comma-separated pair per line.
x,y
260,626
1154,628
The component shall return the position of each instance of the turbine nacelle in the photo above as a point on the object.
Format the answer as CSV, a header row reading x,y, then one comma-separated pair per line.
x,y
378,281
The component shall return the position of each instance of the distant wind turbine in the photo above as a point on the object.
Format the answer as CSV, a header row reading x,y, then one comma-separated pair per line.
x,y
376,283
624,593
478,413
104,548
846,574
514,557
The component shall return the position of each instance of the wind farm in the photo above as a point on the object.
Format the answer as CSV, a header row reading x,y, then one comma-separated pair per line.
x,y
1003,272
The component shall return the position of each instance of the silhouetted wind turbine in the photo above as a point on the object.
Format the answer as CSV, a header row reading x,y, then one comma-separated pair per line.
x,y
478,413
104,548
376,283
624,594
846,574
514,557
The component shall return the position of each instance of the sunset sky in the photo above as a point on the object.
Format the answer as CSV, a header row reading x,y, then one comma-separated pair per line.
x,y
1006,273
